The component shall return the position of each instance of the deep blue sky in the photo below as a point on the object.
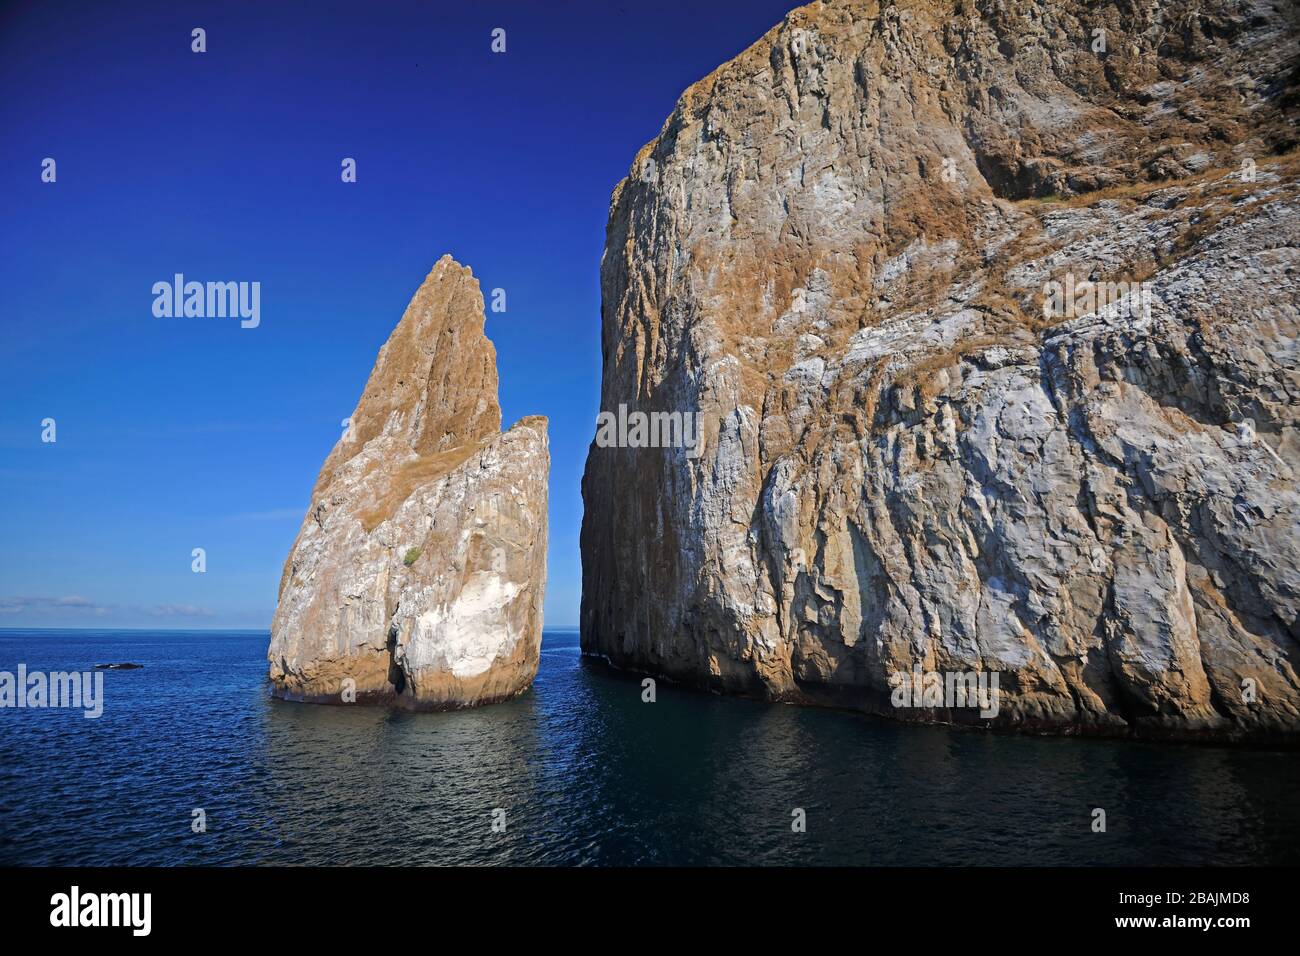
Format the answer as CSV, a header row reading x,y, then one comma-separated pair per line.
x,y
183,433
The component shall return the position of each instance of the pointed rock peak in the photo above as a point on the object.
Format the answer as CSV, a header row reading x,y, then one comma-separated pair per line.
x,y
434,384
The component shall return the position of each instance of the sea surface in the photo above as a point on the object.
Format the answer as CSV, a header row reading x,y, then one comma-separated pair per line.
x,y
586,774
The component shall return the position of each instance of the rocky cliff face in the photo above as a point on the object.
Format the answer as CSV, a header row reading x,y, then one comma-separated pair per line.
x,y
990,318
420,569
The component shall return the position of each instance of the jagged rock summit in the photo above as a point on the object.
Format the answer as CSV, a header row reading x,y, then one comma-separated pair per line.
x,y
419,572
989,312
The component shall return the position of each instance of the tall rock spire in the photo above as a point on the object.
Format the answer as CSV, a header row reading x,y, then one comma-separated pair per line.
x,y
419,573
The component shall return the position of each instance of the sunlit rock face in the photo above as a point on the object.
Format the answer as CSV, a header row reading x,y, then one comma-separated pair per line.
x,y
991,330
419,573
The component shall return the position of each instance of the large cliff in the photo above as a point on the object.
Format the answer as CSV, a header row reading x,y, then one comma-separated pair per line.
x,y
420,569
989,312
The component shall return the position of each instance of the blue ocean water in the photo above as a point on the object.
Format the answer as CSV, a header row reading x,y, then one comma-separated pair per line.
x,y
587,774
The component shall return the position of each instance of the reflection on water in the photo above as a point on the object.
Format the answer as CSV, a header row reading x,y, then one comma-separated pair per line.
x,y
587,774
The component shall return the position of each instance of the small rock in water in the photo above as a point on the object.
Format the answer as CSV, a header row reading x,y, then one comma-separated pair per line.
x,y
118,667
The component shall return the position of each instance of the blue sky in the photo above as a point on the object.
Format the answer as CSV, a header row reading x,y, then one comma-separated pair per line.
x,y
180,433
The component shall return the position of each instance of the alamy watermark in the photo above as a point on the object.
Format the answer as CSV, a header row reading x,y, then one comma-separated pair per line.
x,y
950,689
650,430
83,690
211,300
1070,298
75,908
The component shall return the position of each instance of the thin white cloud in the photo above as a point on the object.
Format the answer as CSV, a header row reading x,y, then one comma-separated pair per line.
x,y
37,604
180,610
16,605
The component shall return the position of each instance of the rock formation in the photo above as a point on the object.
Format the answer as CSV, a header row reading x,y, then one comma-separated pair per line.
x,y
420,568
989,312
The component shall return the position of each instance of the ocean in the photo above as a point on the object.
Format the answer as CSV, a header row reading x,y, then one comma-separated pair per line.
x,y
580,770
